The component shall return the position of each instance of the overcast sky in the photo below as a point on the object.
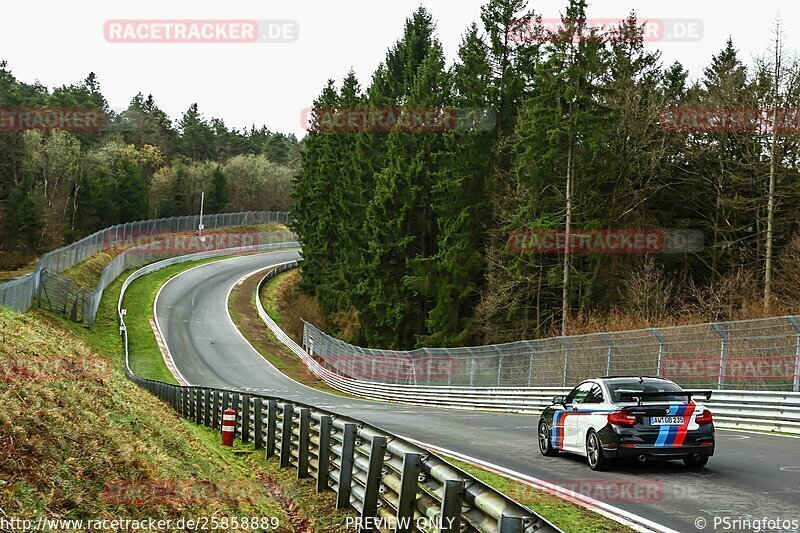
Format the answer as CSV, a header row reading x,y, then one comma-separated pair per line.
x,y
57,42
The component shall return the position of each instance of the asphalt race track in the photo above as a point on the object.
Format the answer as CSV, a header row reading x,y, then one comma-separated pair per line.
x,y
752,475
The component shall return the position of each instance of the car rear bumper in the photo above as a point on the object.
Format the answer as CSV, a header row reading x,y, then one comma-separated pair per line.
x,y
629,442
660,452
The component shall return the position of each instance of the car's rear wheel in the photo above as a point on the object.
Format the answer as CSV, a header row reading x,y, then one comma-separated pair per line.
x,y
696,460
545,445
594,452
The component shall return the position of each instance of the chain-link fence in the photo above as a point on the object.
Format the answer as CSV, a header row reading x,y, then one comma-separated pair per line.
x,y
60,294
748,355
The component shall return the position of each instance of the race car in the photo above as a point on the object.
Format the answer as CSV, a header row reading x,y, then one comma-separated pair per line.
x,y
628,417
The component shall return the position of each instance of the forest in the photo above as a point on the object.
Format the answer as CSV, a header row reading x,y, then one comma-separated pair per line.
x,y
406,230
58,184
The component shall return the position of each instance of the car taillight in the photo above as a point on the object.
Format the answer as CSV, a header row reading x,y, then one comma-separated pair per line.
x,y
704,418
621,418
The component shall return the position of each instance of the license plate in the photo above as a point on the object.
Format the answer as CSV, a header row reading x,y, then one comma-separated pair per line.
x,y
666,421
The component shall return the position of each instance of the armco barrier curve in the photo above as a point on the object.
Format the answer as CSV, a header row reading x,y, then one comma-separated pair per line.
x,y
751,410
378,474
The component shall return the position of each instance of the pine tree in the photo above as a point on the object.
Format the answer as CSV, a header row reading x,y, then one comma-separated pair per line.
x,y
460,201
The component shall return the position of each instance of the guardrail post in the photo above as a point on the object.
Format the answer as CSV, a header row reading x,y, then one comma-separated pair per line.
x,y
215,407
796,326
723,354
511,524
565,345
226,403
198,406
286,435
452,500
272,416
610,357
324,467
346,466
207,407
258,424
303,443
409,481
374,477
245,418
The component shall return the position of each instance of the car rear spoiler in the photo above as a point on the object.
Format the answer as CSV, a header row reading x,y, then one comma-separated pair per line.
x,y
639,396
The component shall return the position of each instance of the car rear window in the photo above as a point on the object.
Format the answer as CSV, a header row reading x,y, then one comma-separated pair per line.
x,y
627,390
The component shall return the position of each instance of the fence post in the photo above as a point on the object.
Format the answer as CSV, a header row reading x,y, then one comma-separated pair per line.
x,y
610,358
531,363
286,435
374,477
272,415
346,468
796,326
258,424
661,351
565,344
500,357
723,354
473,367
451,505
324,466
406,503
303,443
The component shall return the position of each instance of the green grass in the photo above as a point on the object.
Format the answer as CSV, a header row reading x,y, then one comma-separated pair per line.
x,y
145,356
566,515
269,296
243,311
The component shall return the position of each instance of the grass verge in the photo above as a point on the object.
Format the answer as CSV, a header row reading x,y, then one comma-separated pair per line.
x,y
566,515
242,306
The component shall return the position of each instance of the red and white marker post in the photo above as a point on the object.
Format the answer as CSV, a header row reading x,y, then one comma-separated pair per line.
x,y
228,427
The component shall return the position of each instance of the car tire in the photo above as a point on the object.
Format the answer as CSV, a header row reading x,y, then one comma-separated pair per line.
x,y
695,462
545,444
594,452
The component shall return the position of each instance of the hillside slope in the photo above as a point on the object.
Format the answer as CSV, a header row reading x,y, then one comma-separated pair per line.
x,y
79,441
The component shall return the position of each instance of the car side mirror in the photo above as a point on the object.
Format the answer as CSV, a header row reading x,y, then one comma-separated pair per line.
x,y
558,400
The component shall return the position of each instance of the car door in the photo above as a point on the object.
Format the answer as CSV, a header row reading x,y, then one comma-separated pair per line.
x,y
592,410
571,416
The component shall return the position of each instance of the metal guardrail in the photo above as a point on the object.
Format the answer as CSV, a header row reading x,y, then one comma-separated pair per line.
x,y
63,295
753,410
382,476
